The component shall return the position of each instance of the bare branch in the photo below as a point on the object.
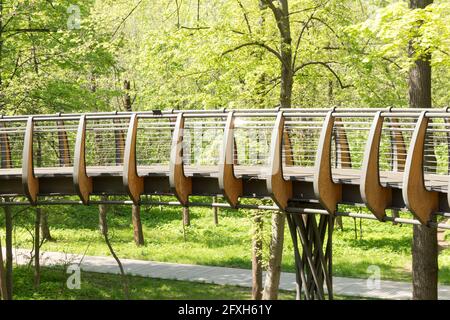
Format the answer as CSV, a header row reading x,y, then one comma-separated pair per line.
x,y
125,19
245,16
326,65
259,44
301,36
276,12
194,28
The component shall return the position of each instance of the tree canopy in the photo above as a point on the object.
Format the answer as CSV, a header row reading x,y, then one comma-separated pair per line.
x,y
64,56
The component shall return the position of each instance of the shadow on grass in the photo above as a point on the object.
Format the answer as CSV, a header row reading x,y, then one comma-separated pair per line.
x,y
393,245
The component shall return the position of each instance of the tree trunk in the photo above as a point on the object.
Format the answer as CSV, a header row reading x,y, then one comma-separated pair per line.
x,y
9,251
3,290
216,212
425,263
257,272
186,217
137,225
45,230
281,14
424,245
276,254
37,244
287,73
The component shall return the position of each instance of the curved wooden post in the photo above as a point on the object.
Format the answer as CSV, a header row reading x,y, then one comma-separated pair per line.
x,y
418,199
131,181
280,189
328,192
375,196
231,186
81,182
29,182
179,183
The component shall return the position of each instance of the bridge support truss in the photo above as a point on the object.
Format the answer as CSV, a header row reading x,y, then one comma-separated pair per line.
x,y
312,238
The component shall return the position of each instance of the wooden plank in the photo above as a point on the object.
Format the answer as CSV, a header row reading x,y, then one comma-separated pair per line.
x,y
179,183
328,192
131,181
376,197
231,186
29,182
418,199
279,189
81,182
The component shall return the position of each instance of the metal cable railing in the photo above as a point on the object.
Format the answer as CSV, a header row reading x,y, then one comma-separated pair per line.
x,y
154,141
105,142
11,142
54,143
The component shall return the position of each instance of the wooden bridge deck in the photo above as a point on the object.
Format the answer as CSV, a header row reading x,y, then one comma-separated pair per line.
x,y
433,182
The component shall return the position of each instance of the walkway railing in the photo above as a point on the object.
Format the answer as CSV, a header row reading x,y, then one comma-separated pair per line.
x,y
304,159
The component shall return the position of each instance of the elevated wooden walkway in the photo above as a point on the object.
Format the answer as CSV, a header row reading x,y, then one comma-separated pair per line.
x,y
305,158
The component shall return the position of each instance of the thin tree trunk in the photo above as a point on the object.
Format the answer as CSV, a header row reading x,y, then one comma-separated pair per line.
x,y
186,217
3,290
281,14
45,230
103,224
137,225
9,251
215,212
257,272
37,244
424,245
276,254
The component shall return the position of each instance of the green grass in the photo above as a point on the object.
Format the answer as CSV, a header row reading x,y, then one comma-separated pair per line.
x,y
229,244
97,286
106,286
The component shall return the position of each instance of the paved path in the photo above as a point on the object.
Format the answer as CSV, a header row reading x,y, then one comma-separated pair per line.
x,y
220,275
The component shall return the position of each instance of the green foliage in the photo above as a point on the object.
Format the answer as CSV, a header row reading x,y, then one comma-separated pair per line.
x,y
228,244
215,55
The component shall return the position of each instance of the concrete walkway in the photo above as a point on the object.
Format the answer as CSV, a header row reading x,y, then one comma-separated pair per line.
x,y
220,275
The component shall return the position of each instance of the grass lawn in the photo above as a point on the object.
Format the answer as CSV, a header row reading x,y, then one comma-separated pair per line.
x,y
97,286
228,244
105,286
